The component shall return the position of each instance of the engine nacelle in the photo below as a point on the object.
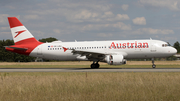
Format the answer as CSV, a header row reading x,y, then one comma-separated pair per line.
x,y
115,59
81,58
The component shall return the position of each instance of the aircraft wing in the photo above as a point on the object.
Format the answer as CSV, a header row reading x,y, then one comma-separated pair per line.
x,y
93,55
90,55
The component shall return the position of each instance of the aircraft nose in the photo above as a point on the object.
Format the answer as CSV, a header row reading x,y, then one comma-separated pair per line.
x,y
173,50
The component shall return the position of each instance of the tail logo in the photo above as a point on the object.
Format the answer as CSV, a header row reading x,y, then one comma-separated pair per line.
x,y
19,32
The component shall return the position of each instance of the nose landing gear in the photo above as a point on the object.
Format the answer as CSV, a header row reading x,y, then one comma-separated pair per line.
x,y
153,65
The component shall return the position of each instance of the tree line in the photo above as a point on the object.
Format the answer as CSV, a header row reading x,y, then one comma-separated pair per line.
x,y
6,56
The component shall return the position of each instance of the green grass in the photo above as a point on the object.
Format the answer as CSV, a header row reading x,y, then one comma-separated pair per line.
x,y
90,86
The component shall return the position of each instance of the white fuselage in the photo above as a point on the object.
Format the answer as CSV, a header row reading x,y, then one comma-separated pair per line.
x,y
128,48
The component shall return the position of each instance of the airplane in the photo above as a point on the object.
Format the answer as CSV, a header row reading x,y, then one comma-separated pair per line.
x,y
112,52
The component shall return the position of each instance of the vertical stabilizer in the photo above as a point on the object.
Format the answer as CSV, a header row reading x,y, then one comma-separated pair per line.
x,y
19,32
24,41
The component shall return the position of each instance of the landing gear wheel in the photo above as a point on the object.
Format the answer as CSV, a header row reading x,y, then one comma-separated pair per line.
x,y
94,65
97,65
153,66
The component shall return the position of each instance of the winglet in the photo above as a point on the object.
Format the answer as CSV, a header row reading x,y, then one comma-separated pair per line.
x,y
65,49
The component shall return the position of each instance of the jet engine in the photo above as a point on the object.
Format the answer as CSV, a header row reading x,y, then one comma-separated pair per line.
x,y
115,59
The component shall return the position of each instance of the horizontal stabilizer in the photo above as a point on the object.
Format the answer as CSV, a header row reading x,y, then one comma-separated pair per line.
x,y
24,49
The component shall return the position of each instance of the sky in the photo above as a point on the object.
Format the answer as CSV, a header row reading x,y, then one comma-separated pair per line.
x,y
94,20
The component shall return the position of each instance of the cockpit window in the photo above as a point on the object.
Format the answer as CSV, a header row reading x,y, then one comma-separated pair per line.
x,y
164,45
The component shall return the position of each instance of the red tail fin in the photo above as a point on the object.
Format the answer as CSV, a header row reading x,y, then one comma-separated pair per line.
x,y
19,32
22,37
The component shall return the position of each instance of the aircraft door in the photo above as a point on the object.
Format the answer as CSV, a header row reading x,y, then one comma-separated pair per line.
x,y
106,48
153,47
39,50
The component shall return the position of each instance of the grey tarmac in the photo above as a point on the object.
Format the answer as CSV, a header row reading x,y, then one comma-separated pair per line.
x,y
89,70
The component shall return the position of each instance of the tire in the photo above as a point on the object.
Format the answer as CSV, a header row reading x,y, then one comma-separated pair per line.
x,y
93,66
97,65
153,66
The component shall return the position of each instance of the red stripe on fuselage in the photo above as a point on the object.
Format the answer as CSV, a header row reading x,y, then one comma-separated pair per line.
x,y
30,44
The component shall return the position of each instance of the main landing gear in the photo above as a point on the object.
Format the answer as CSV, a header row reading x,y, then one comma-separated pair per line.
x,y
153,65
95,65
